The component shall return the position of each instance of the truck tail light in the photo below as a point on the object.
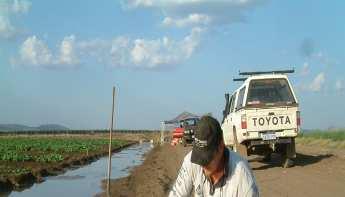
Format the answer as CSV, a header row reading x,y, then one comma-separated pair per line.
x,y
243,121
298,118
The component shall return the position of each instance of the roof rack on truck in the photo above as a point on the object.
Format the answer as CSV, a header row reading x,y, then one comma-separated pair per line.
x,y
262,73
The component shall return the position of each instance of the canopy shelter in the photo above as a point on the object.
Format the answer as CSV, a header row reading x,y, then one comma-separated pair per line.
x,y
175,122
183,116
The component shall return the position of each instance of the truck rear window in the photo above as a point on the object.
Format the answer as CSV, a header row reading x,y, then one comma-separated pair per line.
x,y
269,92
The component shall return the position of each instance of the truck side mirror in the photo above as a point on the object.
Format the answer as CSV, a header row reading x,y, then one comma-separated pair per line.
x,y
227,96
226,111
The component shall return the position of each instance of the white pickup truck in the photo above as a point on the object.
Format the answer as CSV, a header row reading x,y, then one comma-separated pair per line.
x,y
262,116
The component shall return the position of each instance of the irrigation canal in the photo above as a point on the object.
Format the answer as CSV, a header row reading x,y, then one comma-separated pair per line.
x,y
86,180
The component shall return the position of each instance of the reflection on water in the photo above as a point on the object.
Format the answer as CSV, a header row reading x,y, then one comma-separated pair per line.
x,y
86,181
65,177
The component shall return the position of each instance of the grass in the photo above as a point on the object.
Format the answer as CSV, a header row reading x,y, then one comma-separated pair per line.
x,y
324,138
336,135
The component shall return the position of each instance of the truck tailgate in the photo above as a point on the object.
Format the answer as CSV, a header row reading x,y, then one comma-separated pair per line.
x,y
271,119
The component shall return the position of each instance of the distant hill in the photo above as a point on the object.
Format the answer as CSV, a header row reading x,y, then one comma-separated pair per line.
x,y
19,127
14,127
45,127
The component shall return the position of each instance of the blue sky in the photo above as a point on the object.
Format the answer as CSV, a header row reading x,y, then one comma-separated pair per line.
x,y
60,59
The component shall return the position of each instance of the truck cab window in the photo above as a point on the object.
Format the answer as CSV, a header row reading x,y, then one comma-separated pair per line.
x,y
232,102
240,98
270,92
229,106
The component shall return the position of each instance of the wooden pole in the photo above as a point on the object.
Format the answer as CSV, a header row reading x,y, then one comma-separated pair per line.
x,y
162,132
110,142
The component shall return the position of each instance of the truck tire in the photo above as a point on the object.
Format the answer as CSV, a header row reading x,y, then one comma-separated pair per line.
x,y
291,149
287,162
289,152
238,147
267,157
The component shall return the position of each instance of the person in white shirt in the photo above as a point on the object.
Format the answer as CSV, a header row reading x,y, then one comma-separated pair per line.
x,y
211,169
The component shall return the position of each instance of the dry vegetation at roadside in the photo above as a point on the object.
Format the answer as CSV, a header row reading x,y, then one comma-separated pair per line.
x,y
323,138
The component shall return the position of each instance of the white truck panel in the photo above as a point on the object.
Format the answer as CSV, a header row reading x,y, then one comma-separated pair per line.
x,y
281,118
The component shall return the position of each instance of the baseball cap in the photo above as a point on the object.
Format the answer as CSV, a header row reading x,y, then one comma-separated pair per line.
x,y
207,137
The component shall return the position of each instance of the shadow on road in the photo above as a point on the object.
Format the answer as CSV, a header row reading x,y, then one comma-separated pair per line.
x,y
300,160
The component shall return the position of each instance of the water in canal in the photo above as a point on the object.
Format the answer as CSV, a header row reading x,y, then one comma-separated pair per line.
x,y
86,181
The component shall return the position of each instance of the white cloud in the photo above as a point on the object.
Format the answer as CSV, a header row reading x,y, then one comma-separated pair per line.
x,y
142,53
118,52
190,20
167,3
67,51
191,41
153,53
317,83
156,53
339,85
324,59
192,14
136,3
15,6
8,9
93,45
213,12
20,6
35,52
6,28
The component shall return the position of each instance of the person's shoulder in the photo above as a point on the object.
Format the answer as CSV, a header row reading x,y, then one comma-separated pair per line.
x,y
241,170
187,159
238,162
233,156
192,168
188,156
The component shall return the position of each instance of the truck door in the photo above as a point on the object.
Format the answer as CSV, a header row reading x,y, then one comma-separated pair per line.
x,y
227,126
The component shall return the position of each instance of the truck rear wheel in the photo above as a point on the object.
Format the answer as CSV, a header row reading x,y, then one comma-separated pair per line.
x,y
287,162
289,152
267,157
238,147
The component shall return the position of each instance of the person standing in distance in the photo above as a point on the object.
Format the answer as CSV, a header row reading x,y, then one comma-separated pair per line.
x,y
212,169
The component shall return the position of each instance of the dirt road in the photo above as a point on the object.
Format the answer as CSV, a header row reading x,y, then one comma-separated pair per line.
x,y
317,172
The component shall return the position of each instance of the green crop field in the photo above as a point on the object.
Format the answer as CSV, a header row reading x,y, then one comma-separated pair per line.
x,y
17,151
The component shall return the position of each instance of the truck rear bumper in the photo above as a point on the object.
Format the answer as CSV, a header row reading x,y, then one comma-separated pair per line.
x,y
280,134
275,141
